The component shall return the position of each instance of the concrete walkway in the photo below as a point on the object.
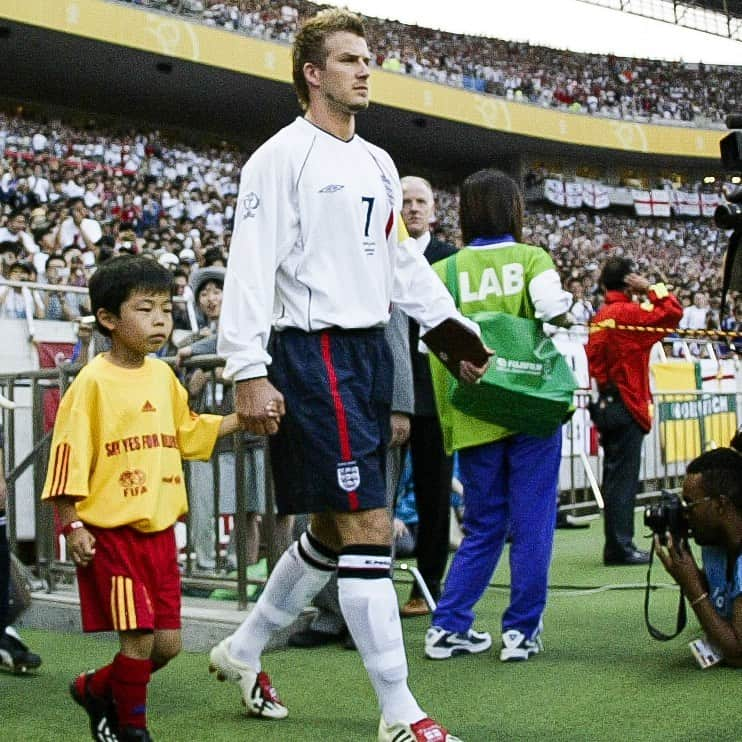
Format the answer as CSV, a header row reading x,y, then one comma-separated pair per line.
x,y
205,622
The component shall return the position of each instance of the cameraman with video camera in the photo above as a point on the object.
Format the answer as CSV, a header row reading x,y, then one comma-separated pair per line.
x,y
711,510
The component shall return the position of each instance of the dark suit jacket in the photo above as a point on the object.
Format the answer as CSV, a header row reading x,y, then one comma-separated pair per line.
x,y
424,399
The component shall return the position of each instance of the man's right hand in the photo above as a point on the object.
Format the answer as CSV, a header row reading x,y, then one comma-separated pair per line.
x,y
259,405
637,283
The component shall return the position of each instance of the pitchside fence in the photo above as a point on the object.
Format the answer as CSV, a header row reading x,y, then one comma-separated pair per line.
x,y
686,423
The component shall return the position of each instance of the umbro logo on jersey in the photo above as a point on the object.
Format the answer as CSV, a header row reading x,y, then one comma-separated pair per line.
x,y
332,188
148,407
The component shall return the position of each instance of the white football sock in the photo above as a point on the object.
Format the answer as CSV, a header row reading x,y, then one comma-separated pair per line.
x,y
369,604
301,572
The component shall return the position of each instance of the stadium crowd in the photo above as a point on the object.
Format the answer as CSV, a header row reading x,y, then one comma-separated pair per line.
x,y
83,194
656,91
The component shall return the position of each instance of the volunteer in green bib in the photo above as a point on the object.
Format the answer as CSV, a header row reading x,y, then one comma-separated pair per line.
x,y
510,477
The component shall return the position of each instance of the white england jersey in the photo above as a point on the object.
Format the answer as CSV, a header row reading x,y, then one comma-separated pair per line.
x,y
318,242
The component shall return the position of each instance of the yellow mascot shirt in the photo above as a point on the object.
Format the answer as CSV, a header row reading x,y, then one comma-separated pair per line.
x,y
118,441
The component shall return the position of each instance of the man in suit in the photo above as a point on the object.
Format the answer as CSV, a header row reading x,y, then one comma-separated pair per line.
x,y
431,468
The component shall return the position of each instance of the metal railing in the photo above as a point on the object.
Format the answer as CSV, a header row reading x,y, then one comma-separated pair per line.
x,y
23,491
686,423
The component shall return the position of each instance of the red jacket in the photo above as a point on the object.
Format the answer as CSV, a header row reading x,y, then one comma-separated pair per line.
x,y
620,358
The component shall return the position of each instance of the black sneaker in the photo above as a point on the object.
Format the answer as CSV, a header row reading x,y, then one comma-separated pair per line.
x,y
134,734
100,711
15,655
441,644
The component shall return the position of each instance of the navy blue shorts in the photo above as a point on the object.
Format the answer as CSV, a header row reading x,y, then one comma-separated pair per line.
x,y
330,451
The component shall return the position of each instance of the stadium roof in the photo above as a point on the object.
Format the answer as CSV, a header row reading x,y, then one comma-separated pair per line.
x,y
578,25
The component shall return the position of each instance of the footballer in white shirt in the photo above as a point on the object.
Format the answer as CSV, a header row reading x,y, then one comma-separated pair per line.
x,y
318,255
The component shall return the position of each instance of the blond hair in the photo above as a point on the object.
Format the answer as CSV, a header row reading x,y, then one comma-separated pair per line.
x,y
309,45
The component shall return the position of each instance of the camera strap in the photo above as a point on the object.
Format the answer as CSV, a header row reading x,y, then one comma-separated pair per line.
x,y
682,614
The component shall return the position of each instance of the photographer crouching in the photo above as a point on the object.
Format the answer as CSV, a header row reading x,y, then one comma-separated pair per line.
x,y
711,508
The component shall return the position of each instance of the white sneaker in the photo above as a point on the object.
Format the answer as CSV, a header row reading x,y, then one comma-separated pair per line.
x,y
516,648
441,644
258,695
425,730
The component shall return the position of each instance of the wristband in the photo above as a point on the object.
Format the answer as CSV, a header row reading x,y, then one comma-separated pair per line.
x,y
73,526
699,599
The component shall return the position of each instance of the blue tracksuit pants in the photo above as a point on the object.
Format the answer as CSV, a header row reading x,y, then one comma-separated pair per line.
x,y
510,487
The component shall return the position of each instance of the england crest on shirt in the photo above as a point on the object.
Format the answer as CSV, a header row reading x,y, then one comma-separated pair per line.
x,y
349,475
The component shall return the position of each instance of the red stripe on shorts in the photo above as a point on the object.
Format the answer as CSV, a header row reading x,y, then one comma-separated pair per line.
x,y
340,418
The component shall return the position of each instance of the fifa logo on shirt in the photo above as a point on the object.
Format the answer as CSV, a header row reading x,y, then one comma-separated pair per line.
x,y
349,475
132,483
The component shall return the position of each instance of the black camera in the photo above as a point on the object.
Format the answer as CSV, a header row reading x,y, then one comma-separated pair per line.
x,y
731,145
728,216
667,515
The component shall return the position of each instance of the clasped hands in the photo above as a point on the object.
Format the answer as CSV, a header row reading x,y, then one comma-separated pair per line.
x,y
259,406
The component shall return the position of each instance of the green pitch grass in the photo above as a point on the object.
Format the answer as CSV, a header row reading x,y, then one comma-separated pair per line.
x,y
601,677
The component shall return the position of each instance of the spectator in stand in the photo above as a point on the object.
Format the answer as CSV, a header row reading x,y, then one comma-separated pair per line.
x,y
15,230
188,261
78,228
9,253
19,302
214,257
39,184
58,305
595,84
44,237
582,310
128,213
696,317
183,296
170,261
78,277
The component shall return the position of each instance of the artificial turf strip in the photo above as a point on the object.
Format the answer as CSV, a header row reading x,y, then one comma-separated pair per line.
x,y
601,677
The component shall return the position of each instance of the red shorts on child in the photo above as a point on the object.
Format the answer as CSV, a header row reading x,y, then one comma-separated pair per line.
x,y
132,582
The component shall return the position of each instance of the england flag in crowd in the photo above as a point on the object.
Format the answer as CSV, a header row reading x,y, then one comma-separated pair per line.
x,y
709,202
554,191
595,196
651,203
563,194
686,203
573,195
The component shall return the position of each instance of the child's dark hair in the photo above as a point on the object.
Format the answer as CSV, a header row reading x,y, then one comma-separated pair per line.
x,y
117,278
